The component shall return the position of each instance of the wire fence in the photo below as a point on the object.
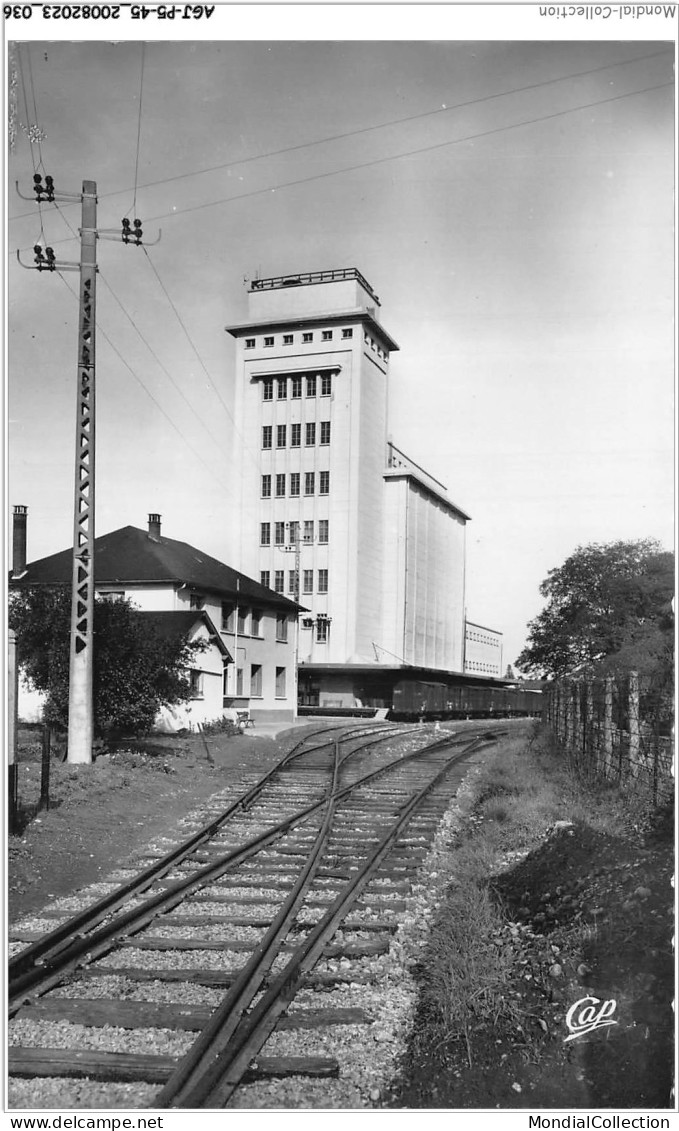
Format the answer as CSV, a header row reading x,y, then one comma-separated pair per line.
x,y
618,728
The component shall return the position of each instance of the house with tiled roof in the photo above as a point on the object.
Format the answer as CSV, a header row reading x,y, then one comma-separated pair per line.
x,y
249,662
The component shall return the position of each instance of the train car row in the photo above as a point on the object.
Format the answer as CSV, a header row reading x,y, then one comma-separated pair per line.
x,y
417,699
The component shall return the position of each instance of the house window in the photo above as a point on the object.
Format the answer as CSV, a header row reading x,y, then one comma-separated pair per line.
x,y
294,483
266,486
267,436
196,683
308,529
310,435
348,333
323,525
280,683
249,343
281,626
309,482
295,435
311,386
282,384
292,581
326,384
322,581
287,339
296,388
256,681
324,483
327,335
279,580
280,435
308,581
265,533
321,632
325,431
280,534
293,532
307,337
280,486
268,342
227,616
267,389
196,601
265,578
256,622
242,622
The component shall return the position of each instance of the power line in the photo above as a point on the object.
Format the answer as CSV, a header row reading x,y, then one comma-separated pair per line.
x,y
408,153
379,126
148,391
141,93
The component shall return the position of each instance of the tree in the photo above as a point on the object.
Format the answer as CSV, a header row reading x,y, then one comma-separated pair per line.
x,y
609,607
136,671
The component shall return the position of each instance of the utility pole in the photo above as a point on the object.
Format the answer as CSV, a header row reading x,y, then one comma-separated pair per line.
x,y
80,713
80,702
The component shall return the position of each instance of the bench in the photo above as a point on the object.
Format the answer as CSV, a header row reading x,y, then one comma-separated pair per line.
x,y
243,719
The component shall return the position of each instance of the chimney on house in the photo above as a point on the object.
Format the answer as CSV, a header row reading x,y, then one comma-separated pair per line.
x,y
154,527
19,541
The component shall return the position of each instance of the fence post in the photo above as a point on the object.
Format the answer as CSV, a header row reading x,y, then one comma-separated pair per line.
x,y
633,716
12,719
607,746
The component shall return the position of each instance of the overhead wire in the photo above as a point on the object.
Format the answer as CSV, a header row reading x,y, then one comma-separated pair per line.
x,y
408,153
373,162
379,126
149,347
148,392
32,128
136,164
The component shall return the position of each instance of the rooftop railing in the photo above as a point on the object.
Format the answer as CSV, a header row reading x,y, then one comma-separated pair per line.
x,y
337,275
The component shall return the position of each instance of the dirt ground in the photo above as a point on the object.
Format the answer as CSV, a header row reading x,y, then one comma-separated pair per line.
x,y
589,919
100,814
588,915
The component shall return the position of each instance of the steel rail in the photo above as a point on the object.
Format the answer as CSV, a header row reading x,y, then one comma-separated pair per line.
x,y
86,920
222,1025
214,1066
60,956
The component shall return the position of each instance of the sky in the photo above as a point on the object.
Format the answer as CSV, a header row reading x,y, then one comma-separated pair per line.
x,y
509,199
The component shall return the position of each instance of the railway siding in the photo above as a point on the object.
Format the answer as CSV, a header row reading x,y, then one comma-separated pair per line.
x,y
352,1009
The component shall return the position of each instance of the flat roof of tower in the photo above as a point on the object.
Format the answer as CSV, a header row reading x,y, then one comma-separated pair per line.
x,y
309,278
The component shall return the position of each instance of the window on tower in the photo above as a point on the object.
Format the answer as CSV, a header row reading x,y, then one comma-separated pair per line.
x,y
310,435
267,435
268,342
293,532
322,631
294,483
307,337
249,343
280,435
265,578
266,486
308,581
326,385
296,388
348,333
309,482
265,533
322,581
325,431
279,533
308,529
282,384
287,339
295,435
323,529
327,335
267,390
311,386
279,580
280,486
324,483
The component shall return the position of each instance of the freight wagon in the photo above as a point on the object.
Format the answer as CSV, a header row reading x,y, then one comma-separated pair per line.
x,y
419,699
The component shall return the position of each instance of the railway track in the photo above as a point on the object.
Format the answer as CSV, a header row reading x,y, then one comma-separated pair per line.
x,y
230,945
